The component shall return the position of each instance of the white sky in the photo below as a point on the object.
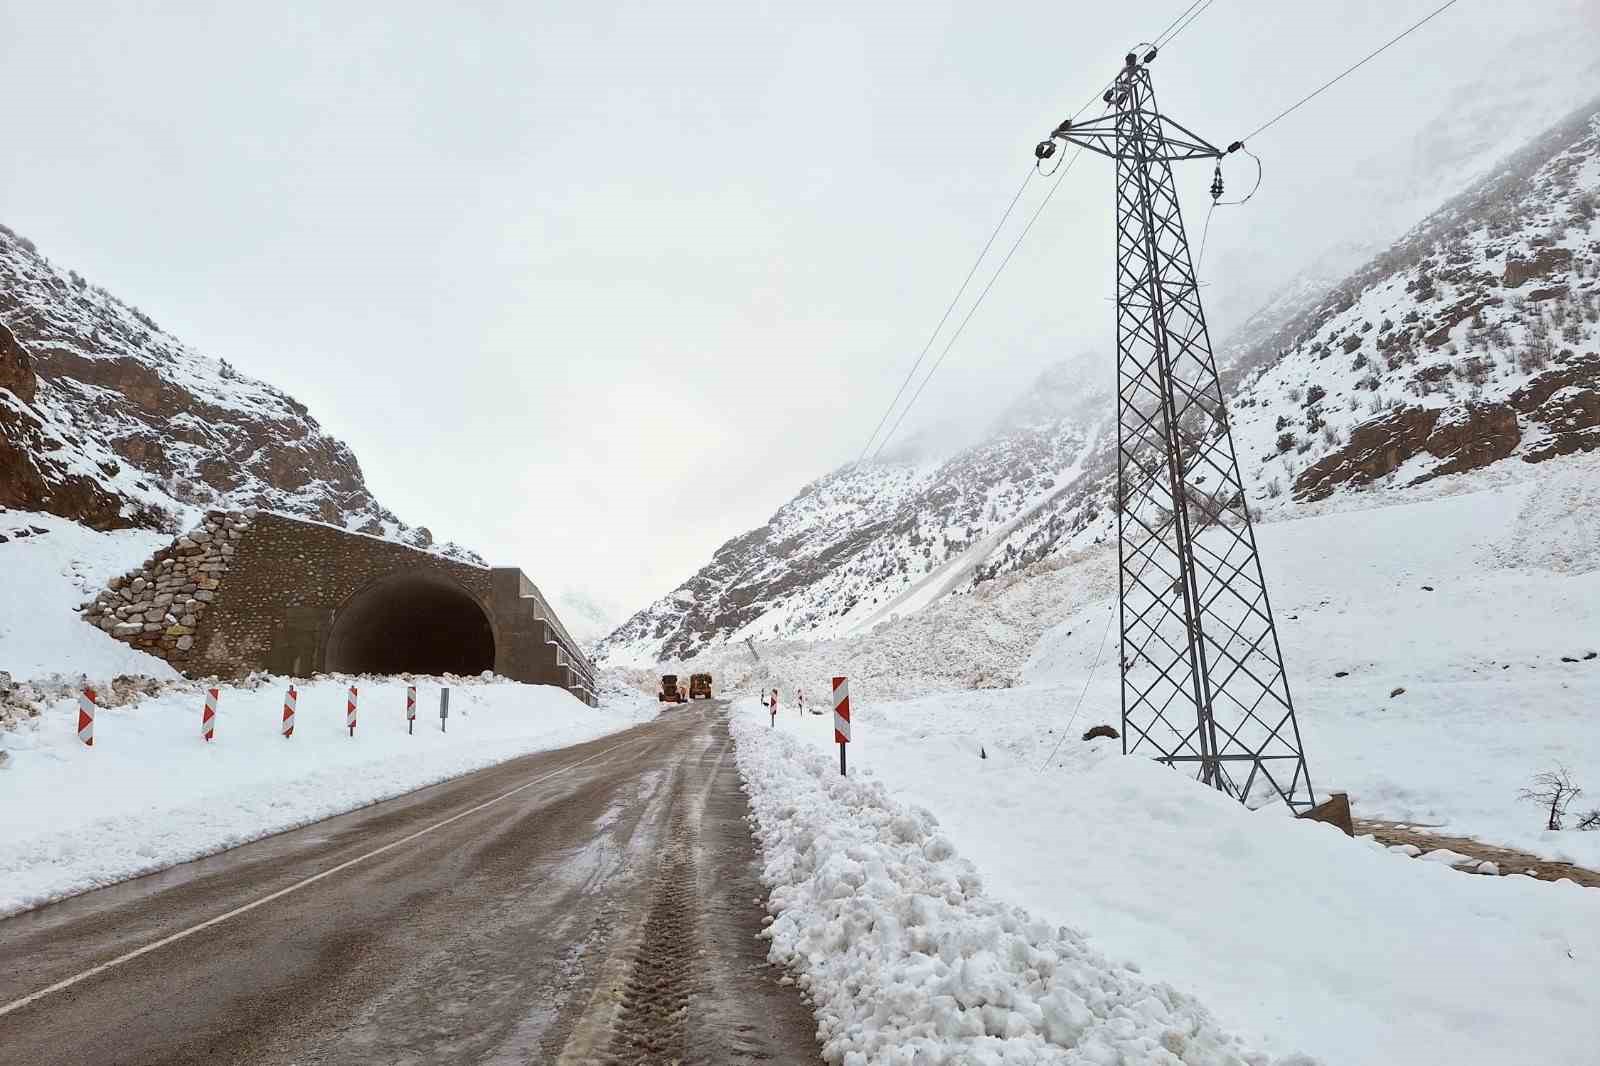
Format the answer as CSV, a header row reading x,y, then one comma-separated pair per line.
x,y
593,287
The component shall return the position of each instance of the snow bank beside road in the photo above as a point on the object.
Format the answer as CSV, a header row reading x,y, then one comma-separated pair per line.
x,y
151,793
909,963
1300,938
45,575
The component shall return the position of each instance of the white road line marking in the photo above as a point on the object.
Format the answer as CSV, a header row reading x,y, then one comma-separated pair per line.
x,y
59,986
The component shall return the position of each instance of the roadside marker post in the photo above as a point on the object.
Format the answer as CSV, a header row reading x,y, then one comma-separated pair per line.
x,y
208,717
841,717
290,698
411,708
444,707
86,716
350,710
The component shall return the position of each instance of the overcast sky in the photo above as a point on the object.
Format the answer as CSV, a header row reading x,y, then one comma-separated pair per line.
x,y
593,287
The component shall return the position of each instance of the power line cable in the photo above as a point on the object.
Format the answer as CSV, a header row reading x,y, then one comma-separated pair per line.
x,y
1182,22
976,263
1162,35
1064,170
1093,666
1174,35
943,319
1348,71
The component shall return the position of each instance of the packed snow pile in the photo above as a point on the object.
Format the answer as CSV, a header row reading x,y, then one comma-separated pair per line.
x,y
1297,937
910,963
151,792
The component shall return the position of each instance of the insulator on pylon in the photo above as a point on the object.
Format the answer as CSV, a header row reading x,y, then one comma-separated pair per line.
x,y
1216,184
1106,96
1044,150
1149,57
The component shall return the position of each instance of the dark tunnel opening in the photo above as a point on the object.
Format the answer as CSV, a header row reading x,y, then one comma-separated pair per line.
x,y
415,623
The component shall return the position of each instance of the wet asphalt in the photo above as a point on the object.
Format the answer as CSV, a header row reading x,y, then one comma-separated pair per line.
x,y
606,911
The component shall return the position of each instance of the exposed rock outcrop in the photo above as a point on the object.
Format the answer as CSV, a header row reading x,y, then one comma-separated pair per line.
x,y
111,421
16,368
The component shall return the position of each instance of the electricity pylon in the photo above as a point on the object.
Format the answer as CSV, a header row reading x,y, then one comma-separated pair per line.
x,y
1203,684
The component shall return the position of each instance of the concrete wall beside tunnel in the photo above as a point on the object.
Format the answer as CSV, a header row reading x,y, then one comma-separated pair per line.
x,y
412,622
268,592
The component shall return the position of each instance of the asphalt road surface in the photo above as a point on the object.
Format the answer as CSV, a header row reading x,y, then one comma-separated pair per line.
x,y
597,904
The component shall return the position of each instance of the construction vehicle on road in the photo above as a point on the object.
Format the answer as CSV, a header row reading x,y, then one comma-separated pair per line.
x,y
699,686
670,692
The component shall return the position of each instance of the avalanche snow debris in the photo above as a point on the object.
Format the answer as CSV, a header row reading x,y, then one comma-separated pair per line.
x,y
908,961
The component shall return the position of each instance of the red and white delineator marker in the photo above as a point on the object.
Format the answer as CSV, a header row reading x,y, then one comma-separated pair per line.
x,y
290,698
350,710
411,707
841,716
86,716
208,717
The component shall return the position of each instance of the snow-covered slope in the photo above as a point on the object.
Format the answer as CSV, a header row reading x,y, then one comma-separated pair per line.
x,y
1473,341
871,540
108,420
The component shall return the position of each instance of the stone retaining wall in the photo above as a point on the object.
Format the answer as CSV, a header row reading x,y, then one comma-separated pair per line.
x,y
158,607
250,591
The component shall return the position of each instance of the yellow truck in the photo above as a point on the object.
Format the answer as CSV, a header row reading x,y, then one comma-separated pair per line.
x,y
670,691
699,686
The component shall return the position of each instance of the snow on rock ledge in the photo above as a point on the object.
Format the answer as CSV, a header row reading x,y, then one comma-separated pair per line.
x,y
910,964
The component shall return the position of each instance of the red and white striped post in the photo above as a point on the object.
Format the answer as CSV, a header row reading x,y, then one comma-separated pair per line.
x,y
411,708
290,698
208,717
841,717
350,710
86,716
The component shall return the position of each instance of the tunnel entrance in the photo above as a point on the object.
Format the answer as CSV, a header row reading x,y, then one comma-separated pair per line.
x,y
418,623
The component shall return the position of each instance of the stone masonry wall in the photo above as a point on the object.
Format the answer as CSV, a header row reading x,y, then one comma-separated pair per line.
x,y
250,591
291,576
158,607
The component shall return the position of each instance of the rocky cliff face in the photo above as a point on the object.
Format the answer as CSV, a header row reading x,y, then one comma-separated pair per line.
x,y
1472,341
108,420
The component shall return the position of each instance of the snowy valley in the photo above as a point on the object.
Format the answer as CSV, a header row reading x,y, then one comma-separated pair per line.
x,y
448,864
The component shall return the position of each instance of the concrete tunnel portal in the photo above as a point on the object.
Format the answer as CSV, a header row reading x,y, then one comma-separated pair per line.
x,y
414,622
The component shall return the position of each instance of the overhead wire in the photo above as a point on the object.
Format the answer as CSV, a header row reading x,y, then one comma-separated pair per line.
x,y
1348,71
926,348
1093,666
1063,170
1206,230
1058,173
1169,38
1162,35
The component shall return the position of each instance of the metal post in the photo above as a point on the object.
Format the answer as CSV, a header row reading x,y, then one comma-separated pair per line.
x,y
444,708
1203,681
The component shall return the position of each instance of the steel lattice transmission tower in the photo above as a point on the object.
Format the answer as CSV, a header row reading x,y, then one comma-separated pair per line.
x,y
1203,684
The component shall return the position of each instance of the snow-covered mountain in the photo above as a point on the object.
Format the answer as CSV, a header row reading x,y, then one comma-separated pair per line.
x,y
872,539
1471,341
108,420
587,617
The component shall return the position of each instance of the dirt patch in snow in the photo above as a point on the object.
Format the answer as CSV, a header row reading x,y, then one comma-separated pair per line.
x,y
1509,860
